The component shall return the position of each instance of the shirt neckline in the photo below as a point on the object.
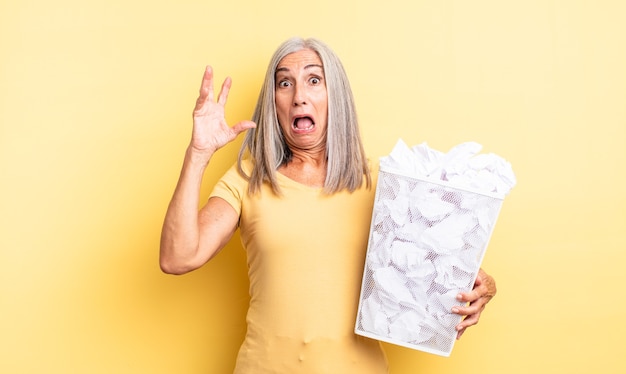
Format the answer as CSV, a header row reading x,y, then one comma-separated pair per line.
x,y
288,181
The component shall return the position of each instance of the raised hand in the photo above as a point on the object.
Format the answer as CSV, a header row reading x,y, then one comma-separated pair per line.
x,y
210,130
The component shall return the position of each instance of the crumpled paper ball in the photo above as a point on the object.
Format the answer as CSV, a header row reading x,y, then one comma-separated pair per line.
x,y
462,166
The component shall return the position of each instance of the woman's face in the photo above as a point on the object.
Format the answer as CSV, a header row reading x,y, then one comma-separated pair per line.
x,y
302,101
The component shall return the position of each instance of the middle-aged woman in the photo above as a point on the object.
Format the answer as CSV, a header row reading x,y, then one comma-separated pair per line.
x,y
301,194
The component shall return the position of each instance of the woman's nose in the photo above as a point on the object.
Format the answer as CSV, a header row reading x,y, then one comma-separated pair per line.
x,y
299,96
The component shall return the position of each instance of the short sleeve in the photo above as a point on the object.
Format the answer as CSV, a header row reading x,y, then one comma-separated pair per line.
x,y
231,187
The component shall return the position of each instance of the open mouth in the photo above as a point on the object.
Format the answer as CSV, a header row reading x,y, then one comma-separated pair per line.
x,y
303,123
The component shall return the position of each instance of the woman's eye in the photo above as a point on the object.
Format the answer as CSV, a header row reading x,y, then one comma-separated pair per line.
x,y
283,84
315,80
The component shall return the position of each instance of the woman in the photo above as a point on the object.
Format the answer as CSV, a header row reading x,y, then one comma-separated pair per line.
x,y
301,194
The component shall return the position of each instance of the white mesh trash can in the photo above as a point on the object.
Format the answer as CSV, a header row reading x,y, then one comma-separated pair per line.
x,y
427,241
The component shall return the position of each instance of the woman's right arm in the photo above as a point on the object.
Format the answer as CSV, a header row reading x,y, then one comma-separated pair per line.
x,y
189,237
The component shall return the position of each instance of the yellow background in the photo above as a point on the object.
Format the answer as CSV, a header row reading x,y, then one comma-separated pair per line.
x,y
95,114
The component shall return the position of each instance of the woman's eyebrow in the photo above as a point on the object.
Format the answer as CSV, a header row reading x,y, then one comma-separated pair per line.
x,y
314,66
283,68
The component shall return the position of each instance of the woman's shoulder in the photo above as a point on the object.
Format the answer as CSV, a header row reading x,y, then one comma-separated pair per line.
x,y
237,174
246,166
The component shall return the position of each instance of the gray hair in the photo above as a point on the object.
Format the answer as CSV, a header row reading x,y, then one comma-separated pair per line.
x,y
347,164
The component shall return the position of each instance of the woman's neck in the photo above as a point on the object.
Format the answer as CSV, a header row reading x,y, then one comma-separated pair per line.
x,y
307,169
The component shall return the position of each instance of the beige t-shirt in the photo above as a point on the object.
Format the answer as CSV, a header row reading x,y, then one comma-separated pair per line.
x,y
305,253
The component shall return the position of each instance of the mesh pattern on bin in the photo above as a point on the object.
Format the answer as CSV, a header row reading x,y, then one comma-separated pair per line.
x,y
425,246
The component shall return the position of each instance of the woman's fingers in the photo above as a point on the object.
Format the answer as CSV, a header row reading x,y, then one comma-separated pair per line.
x,y
210,129
484,290
223,97
206,89
243,126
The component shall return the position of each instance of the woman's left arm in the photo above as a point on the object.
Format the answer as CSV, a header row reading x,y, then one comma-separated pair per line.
x,y
484,290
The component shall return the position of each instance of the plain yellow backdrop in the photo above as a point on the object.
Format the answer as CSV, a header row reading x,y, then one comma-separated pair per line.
x,y
95,114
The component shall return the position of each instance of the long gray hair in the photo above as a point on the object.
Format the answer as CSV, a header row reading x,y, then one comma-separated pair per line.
x,y
347,164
